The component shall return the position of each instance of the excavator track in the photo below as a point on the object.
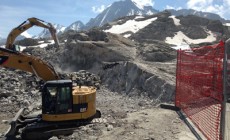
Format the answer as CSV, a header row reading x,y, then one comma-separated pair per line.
x,y
34,128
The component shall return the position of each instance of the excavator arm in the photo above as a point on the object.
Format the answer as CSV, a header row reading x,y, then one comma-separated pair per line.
x,y
12,59
25,26
24,62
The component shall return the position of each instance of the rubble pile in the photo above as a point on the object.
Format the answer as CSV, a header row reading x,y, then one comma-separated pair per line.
x,y
18,90
22,90
83,78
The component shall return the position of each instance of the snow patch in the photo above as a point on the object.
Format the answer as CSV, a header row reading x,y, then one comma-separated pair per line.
x,y
131,12
22,48
39,42
130,25
43,45
227,24
180,38
127,35
149,12
175,20
26,34
182,47
138,17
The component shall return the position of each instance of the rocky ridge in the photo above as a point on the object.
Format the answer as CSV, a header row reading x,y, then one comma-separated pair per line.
x,y
164,26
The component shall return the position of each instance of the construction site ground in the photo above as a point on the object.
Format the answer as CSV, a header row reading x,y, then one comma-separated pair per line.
x,y
124,117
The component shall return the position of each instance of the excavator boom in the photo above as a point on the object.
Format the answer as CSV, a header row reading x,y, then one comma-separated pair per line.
x,y
25,26
24,62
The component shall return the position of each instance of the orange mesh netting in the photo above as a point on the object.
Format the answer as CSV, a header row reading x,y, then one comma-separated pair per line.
x,y
199,87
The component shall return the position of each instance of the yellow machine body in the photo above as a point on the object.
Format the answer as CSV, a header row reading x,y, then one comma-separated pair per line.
x,y
81,95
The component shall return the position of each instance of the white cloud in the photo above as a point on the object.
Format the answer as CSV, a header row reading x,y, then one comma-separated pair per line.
x,y
171,7
227,2
98,9
222,8
142,3
197,4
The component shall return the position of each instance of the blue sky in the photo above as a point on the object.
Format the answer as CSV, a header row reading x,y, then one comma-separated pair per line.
x,y
65,12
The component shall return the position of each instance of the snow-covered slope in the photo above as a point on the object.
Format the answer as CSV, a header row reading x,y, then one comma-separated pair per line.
x,y
177,32
175,20
132,25
180,38
42,44
181,41
227,24
77,26
45,33
120,9
24,35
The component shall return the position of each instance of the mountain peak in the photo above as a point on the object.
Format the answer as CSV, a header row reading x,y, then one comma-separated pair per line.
x,y
26,34
142,4
77,26
121,9
46,33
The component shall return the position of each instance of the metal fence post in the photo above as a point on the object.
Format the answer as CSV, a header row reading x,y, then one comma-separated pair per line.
x,y
223,112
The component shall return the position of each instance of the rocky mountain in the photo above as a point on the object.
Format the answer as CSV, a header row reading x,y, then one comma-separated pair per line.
x,y
173,30
120,9
76,26
45,33
208,15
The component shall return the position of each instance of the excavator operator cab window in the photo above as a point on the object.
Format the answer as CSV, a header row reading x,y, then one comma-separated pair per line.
x,y
57,97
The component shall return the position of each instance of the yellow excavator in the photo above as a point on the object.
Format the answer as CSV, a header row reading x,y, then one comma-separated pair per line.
x,y
64,106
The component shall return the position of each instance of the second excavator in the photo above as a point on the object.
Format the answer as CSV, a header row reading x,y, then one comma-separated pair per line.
x,y
64,106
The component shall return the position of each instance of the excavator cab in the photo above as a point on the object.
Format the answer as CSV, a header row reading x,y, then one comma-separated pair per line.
x,y
57,97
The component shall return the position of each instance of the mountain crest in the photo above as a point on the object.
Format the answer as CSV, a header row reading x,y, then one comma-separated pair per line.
x,y
46,33
77,26
120,9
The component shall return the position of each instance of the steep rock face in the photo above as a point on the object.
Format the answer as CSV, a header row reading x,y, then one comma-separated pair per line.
x,y
82,55
157,51
127,77
117,10
76,26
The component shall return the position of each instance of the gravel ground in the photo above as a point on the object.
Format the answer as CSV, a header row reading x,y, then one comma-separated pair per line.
x,y
124,117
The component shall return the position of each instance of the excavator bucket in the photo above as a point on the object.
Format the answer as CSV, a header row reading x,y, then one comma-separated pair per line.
x,y
15,124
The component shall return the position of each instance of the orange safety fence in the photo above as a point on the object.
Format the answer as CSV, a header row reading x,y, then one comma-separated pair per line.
x,y
199,87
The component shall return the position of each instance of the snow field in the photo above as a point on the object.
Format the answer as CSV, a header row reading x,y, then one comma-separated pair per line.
x,y
130,25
